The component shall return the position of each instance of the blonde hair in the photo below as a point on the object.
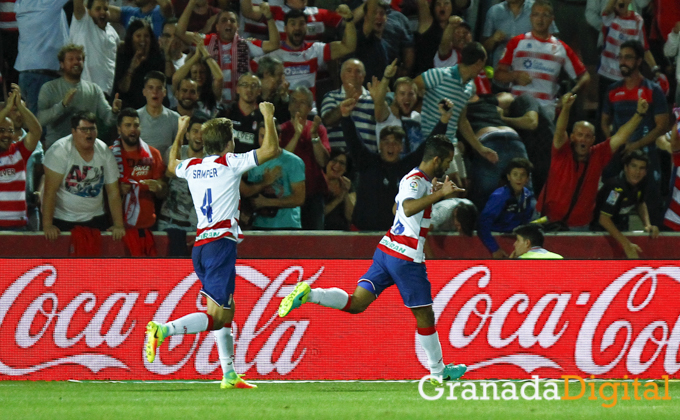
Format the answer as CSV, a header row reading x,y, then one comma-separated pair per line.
x,y
70,48
217,133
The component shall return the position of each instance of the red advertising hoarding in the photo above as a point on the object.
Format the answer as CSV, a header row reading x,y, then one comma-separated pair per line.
x,y
85,319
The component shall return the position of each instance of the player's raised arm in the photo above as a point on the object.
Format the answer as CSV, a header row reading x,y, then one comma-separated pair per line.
x,y
270,145
174,157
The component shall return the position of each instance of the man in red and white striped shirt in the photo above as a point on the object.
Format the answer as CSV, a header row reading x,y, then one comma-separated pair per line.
x,y
317,19
672,216
302,60
532,62
13,158
400,257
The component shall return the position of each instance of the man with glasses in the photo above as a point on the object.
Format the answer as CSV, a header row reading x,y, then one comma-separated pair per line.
x,y
62,98
13,159
619,106
245,113
532,62
77,169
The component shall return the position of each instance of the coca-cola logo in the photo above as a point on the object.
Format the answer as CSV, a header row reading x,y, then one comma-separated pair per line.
x,y
61,320
59,316
493,317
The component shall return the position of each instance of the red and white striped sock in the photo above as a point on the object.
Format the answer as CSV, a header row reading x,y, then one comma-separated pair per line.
x,y
330,298
429,340
190,324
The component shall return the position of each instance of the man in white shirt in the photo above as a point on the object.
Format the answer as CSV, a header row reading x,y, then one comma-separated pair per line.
x,y
90,28
76,169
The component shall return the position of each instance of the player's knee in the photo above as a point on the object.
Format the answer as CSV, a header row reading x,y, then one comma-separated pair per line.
x,y
357,306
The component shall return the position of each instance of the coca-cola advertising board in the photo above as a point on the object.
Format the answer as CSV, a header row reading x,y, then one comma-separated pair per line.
x,y
85,319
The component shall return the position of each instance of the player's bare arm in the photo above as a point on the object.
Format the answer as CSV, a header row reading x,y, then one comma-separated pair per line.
x,y
416,205
174,157
270,146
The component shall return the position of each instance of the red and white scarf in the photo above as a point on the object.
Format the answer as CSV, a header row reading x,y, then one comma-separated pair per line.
x,y
131,206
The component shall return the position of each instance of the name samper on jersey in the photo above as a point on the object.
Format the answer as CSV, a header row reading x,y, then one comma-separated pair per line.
x,y
207,173
214,185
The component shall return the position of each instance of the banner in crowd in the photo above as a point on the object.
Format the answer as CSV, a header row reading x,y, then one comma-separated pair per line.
x,y
85,319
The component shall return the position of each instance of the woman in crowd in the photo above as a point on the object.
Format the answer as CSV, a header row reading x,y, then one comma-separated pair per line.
x,y
340,199
137,56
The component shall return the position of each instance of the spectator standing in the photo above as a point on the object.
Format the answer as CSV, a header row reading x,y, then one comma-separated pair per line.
x,y
90,28
202,68
383,38
14,157
308,140
671,50
177,216
232,53
202,17
62,98
302,60
277,189
136,57
157,123
576,167
78,168
619,197
620,106
672,216
270,71
352,74
9,42
141,171
340,199
153,12
245,113
187,99
37,49
319,21
433,18
532,62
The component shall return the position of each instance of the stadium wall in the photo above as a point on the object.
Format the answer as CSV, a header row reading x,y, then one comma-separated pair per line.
x,y
355,245
85,319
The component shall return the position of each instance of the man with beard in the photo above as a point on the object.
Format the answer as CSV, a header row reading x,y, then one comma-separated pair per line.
x,y
187,99
301,59
352,74
76,169
401,113
245,113
90,28
62,98
619,106
621,195
141,170
576,167
232,53
400,258
158,123
177,215
14,156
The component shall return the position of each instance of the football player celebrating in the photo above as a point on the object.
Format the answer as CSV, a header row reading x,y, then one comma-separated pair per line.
x,y
400,256
214,185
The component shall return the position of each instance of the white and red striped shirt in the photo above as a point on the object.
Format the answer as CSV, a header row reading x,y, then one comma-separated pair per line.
x,y
406,238
214,185
8,20
317,21
301,66
672,216
223,53
542,59
617,30
13,185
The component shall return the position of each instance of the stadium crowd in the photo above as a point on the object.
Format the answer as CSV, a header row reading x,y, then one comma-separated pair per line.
x,y
561,111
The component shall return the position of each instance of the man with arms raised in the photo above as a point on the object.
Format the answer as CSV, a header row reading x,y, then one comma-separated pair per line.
x,y
400,257
214,185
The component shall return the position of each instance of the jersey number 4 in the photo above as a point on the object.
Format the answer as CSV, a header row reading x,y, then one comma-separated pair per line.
x,y
206,208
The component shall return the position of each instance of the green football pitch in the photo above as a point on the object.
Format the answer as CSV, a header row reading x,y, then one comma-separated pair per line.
x,y
299,400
